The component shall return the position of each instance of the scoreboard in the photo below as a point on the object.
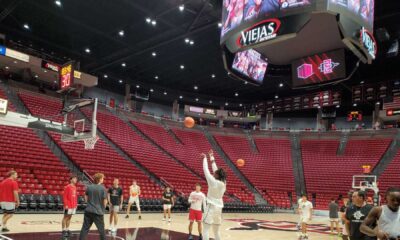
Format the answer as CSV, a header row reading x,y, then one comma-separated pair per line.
x,y
66,76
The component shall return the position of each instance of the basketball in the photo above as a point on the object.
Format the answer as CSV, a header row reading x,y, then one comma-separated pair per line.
x,y
240,162
189,122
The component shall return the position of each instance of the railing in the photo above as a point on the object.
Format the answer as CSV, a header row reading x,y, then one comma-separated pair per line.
x,y
88,175
166,183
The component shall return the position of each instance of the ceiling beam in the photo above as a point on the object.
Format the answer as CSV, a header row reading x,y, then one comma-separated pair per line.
x,y
203,7
9,9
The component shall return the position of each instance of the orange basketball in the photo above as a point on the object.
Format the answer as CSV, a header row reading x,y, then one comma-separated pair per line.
x,y
189,122
240,162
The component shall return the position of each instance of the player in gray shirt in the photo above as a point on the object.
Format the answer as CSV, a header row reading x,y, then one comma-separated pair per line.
x,y
334,216
96,198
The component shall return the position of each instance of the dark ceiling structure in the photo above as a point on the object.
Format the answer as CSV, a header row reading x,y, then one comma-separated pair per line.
x,y
168,46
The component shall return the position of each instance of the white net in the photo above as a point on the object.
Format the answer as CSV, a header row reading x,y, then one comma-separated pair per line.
x,y
90,142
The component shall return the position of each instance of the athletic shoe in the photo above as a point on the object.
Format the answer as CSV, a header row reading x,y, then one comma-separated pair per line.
x,y
4,229
140,217
164,219
190,237
127,216
169,220
114,230
200,237
69,233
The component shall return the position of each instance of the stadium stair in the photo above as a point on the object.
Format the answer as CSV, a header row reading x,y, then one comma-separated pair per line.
x,y
251,141
343,142
258,196
168,129
388,157
298,170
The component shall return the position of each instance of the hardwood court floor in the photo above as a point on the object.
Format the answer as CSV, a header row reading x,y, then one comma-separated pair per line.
x,y
238,226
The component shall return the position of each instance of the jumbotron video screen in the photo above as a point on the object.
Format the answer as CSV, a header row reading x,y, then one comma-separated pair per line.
x,y
236,12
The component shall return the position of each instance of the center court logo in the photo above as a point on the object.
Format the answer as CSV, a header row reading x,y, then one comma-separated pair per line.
x,y
256,225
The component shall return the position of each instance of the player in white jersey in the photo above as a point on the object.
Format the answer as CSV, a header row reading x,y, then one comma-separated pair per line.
x,y
134,193
197,199
306,211
216,189
387,217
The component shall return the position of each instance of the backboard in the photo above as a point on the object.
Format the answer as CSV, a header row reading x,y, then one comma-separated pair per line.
x,y
365,182
84,129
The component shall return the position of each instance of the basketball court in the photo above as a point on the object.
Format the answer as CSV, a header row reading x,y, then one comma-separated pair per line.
x,y
235,227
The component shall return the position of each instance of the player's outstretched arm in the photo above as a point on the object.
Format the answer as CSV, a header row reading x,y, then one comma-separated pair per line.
x,y
209,177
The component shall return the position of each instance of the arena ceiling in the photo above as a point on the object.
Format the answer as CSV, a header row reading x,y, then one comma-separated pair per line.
x,y
168,46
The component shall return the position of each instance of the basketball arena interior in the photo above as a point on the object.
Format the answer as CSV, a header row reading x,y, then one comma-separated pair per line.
x,y
294,99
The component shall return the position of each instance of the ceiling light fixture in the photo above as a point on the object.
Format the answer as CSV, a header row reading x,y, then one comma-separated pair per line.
x,y
195,87
148,20
213,75
180,97
58,3
151,90
87,50
280,84
155,77
226,104
154,22
236,94
120,81
123,64
26,26
121,33
182,66
105,76
220,25
154,54
165,93
181,8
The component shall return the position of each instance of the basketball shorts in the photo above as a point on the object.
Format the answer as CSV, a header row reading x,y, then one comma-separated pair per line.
x,y
133,200
71,211
114,209
195,215
334,219
167,206
8,207
305,219
212,215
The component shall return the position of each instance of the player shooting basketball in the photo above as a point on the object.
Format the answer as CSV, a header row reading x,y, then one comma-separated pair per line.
x,y
216,190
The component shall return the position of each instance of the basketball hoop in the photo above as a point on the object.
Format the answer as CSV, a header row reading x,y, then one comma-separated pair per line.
x,y
90,142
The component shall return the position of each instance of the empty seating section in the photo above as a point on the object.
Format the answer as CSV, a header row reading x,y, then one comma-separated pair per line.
x,y
270,170
146,153
328,174
24,151
42,106
192,144
104,159
391,176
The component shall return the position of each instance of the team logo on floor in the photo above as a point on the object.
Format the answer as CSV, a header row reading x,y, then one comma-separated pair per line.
x,y
255,225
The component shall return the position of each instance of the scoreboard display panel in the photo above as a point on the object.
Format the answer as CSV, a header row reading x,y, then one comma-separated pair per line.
x,y
66,76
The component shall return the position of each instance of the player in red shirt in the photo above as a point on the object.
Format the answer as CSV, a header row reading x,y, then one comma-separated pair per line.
x,y
9,198
70,204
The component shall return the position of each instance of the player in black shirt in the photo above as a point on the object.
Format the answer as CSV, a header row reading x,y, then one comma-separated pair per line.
x,y
355,215
115,198
168,203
